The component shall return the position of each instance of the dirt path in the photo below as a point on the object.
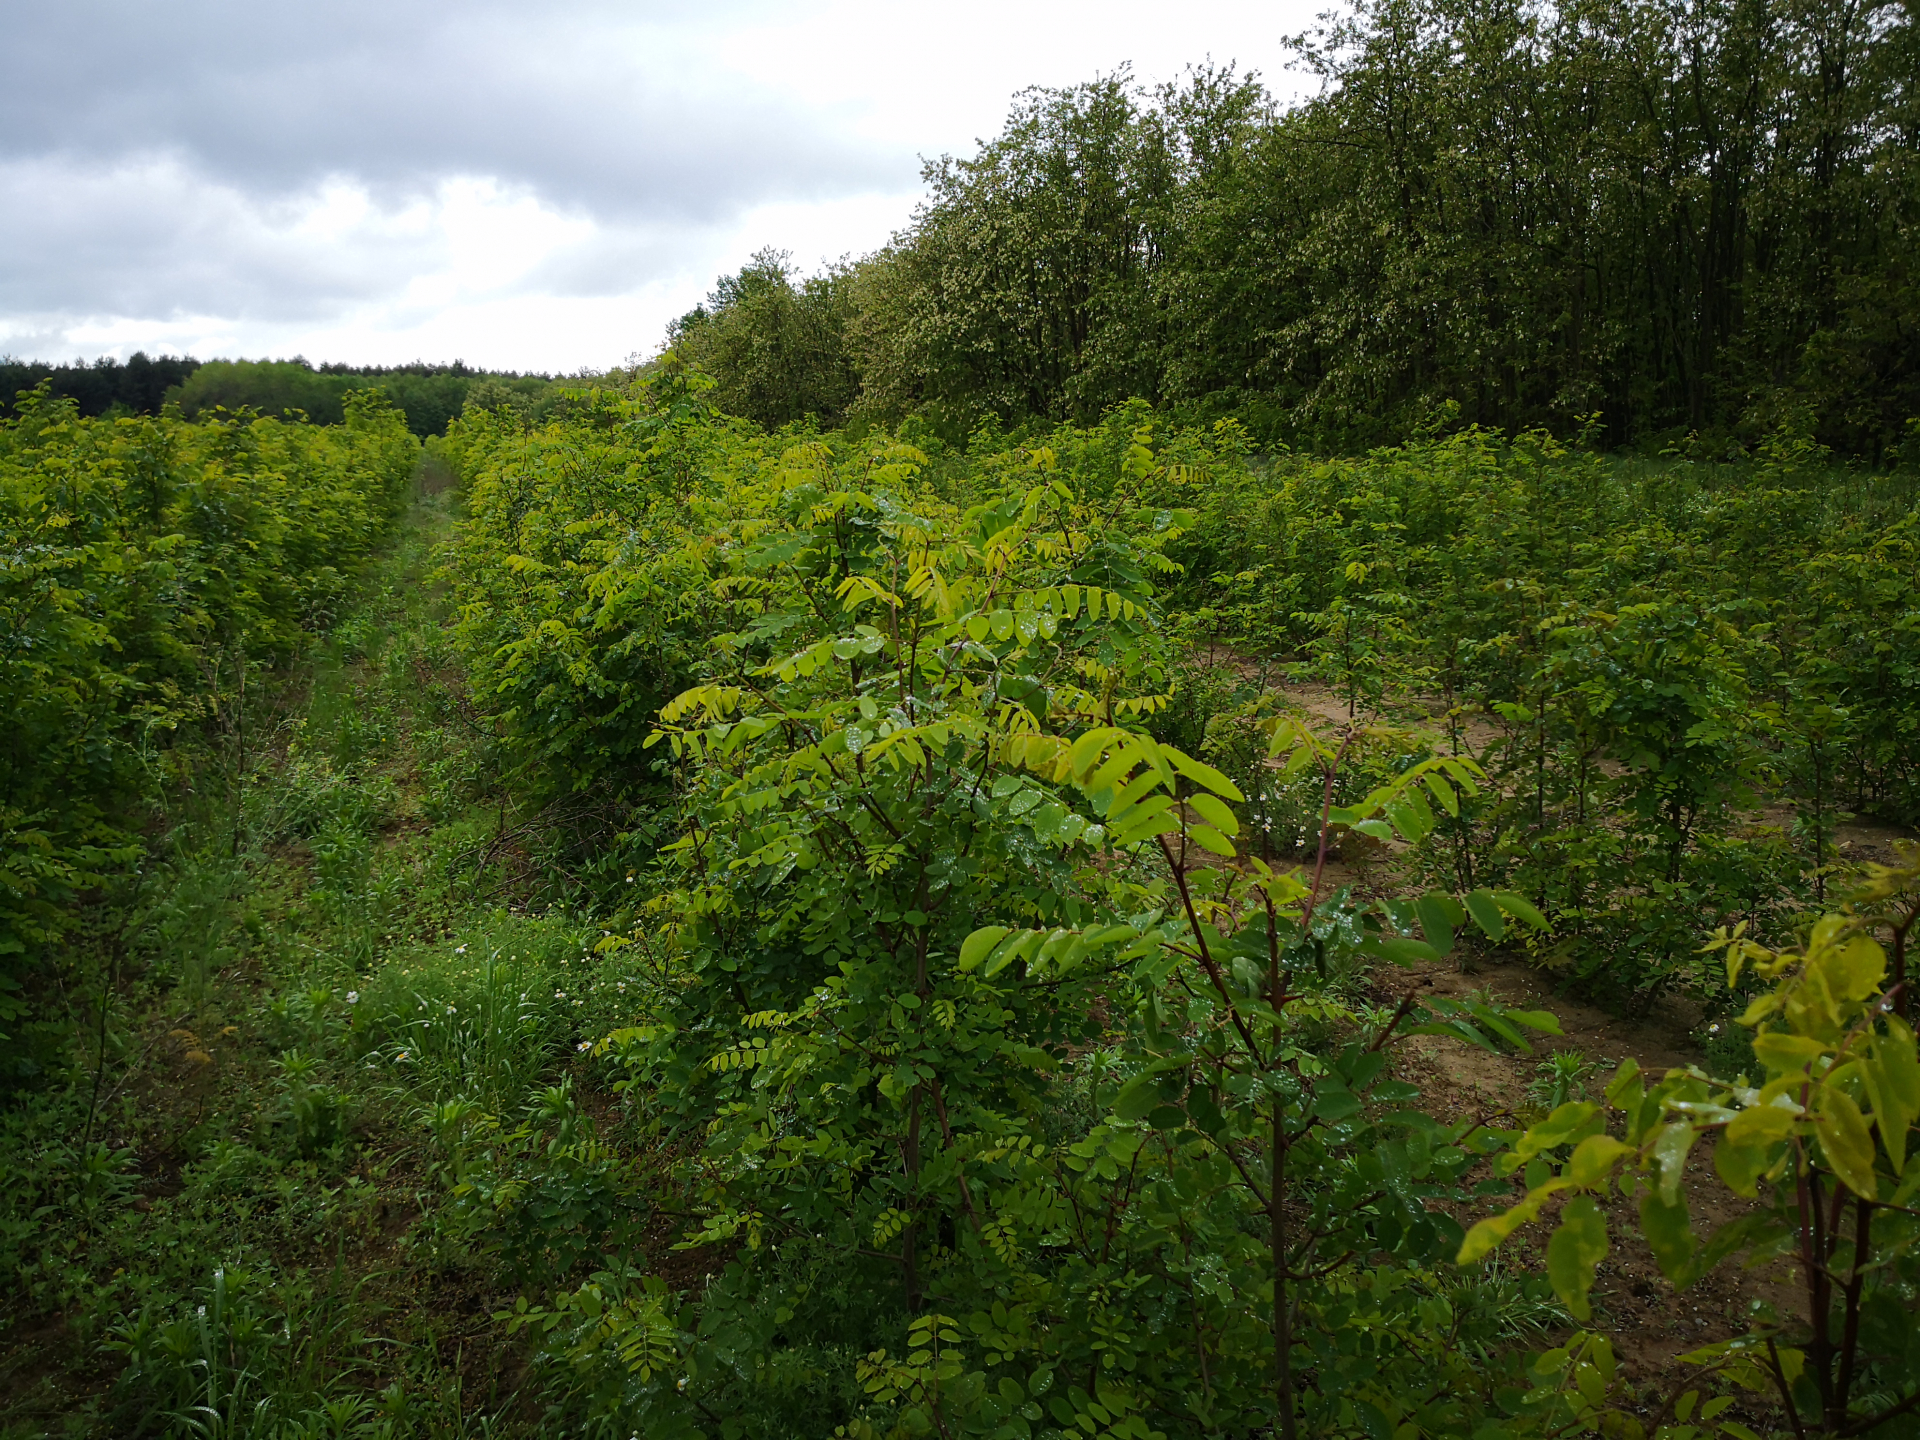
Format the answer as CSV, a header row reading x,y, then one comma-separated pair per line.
x,y
1650,1323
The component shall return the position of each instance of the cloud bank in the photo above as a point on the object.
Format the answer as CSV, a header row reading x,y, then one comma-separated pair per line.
x,y
534,186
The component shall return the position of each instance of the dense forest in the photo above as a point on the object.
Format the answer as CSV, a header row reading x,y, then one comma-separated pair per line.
x,y
1260,783
428,396
1694,222
135,386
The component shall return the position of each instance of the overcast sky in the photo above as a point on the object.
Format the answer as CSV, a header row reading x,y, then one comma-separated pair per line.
x,y
521,186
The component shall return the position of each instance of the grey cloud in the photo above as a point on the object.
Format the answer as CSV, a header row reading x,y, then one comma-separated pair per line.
x,y
588,103
154,239
163,161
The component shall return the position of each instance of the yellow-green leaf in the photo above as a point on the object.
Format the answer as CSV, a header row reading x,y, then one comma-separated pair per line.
x,y
1899,1064
1209,838
1670,1155
1763,1124
1520,908
1669,1231
1575,1251
1780,1052
1854,969
1887,1116
1202,774
1740,1164
1088,748
1128,817
1594,1158
1893,1087
1133,792
977,946
1215,812
1623,1091
1486,914
1481,1239
1558,1128
1115,769
1847,1141
1156,824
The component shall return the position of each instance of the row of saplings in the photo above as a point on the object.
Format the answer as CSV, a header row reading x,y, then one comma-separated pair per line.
x,y
1023,1093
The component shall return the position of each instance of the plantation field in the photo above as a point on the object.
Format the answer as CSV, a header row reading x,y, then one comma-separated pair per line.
x,y
647,926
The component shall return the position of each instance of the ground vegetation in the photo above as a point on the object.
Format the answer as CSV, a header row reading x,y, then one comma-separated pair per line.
x,y
1003,842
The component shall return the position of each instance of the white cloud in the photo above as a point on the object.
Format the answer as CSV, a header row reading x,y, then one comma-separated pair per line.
x,y
478,270
946,78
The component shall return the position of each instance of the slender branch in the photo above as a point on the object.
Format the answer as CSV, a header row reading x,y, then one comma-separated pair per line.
x,y
946,1134
1326,808
1786,1394
1204,954
1245,1178
1850,1339
1393,1021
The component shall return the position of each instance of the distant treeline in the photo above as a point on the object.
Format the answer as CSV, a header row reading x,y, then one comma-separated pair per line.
x,y
1684,217
429,395
136,386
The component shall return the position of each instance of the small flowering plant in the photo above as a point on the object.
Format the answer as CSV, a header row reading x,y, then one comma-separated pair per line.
x,y
483,1018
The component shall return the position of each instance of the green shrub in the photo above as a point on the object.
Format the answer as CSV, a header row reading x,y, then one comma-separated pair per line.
x,y
938,1165
151,566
